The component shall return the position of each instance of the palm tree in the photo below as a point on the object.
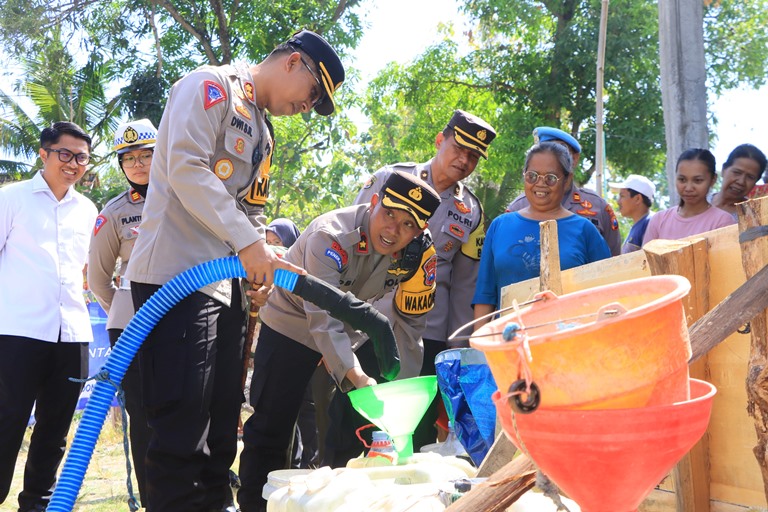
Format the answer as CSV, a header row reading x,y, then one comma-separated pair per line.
x,y
58,91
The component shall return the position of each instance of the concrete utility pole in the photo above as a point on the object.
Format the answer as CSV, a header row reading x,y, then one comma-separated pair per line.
x,y
683,80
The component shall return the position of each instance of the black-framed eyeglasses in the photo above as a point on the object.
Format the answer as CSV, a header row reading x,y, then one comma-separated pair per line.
x,y
532,177
129,161
66,156
317,93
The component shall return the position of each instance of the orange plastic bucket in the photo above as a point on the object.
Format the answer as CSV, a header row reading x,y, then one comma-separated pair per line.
x,y
609,460
617,346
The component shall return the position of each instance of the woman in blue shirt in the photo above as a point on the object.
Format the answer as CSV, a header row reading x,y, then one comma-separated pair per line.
x,y
512,250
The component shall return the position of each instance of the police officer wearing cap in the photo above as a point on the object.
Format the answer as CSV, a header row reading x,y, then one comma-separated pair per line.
x,y
367,250
457,229
209,183
112,240
581,201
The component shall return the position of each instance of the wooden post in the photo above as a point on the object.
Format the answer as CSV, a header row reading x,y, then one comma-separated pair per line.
x,y
550,258
753,217
688,259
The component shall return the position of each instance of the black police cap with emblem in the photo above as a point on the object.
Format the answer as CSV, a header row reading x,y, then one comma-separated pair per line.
x,y
405,191
329,66
472,132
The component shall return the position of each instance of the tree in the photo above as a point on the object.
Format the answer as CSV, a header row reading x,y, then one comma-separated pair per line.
x,y
532,63
59,92
155,42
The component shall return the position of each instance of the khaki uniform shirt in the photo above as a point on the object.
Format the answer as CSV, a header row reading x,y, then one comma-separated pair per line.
x,y
335,249
112,239
209,179
458,232
589,205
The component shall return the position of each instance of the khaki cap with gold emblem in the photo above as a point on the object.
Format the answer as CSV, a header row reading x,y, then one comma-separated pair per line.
x,y
407,192
472,132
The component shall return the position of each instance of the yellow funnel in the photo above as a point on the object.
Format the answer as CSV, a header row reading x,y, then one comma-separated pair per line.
x,y
396,408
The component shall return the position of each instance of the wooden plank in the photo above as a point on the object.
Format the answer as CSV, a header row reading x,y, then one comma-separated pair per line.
x,y
689,259
501,490
549,265
753,216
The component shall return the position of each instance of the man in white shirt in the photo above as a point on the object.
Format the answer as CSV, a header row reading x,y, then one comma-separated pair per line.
x,y
44,323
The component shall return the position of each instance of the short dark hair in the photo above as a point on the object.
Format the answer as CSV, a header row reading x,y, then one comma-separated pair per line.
x,y
646,200
53,133
561,153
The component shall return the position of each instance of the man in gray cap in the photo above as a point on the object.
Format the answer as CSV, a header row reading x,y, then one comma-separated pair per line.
x,y
367,250
457,230
580,201
210,182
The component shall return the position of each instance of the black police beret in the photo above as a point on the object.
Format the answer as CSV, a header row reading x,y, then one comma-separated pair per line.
x,y
407,192
472,132
328,64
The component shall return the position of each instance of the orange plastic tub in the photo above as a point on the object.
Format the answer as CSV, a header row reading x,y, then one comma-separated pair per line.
x,y
622,345
609,460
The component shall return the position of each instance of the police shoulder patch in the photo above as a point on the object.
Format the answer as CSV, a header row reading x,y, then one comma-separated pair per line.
x,y
223,168
100,222
214,93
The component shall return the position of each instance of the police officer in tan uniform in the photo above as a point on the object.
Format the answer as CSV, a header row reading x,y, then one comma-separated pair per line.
x,y
368,250
580,201
457,230
209,183
111,244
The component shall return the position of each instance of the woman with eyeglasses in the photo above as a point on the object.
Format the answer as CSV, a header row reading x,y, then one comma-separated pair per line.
x,y
111,244
512,248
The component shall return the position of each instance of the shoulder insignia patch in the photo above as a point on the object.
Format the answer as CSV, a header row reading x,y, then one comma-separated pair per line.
x,y
430,270
463,208
335,257
362,245
337,247
243,111
614,222
214,93
100,222
248,89
424,174
370,182
223,168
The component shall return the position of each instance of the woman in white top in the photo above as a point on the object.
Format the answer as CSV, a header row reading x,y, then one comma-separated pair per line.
x,y
694,177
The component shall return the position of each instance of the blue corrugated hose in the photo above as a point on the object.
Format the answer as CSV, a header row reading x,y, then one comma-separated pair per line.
x,y
125,349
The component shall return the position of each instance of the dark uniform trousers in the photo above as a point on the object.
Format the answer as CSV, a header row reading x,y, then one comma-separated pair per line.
x,y
191,370
282,369
138,428
34,370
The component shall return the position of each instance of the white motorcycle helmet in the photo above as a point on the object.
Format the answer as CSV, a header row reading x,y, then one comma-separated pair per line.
x,y
133,135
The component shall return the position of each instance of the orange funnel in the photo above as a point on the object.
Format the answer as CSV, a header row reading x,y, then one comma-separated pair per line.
x,y
622,345
609,460
396,408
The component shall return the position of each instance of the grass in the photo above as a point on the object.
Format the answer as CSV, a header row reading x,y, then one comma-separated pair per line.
x,y
104,487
